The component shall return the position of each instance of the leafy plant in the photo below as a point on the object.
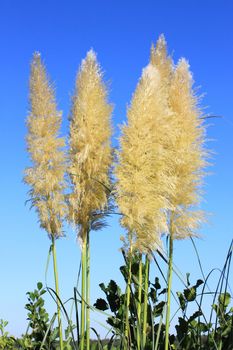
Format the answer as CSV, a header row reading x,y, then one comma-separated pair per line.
x,y
115,302
6,341
223,333
193,330
39,322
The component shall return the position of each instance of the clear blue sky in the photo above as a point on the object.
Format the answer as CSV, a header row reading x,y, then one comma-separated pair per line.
x,y
121,32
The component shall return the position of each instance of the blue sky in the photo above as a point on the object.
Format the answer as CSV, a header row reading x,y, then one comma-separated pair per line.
x,y
121,32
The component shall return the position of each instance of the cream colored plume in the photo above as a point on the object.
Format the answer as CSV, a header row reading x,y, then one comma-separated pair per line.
x,y
143,167
160,59
162,155
189,153
185,142
46,175
90,149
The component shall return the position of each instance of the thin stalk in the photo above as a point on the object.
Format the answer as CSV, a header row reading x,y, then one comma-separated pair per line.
x,y
127,330
146,285
83,292
88,291
158,332
76,314
167,326
139,303
57,291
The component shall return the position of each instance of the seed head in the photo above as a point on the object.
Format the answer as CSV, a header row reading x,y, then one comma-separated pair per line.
x,y
142,187
90,149
46,175
189,153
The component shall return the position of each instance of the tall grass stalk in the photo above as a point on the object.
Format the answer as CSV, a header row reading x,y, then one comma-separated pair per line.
x,y
88,291
57,291
46,175
83,296
76,314
90,160
129,276
139,303
169,281
146,285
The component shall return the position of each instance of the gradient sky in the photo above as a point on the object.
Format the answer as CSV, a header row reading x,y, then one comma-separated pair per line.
x,y
121,32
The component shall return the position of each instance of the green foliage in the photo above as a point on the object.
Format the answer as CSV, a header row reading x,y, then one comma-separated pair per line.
x,y
223,333
39,322
6,342
115,302
193,330
69,341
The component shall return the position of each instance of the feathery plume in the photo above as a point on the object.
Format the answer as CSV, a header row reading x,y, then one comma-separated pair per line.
x,y
142,172
160,59
189,153
90,149
185,141
90,161
46,176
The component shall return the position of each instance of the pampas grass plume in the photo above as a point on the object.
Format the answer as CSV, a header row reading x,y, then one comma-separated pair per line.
x,y
46,175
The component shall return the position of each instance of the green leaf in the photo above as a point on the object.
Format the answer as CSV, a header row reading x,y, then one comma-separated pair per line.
x,y
39,285
112,286
124,272
102,286
163,291
199,282
181,328
114,302
153,295
227,330
135,268
181,300
194,316
215,307
158,309
224,300
203,327
187,278
190,294
101,304
157,284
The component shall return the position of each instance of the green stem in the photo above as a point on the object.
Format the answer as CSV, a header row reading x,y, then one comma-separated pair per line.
x,y
128,300
169,288
88,292
83,292
139,303
57,291
146,284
